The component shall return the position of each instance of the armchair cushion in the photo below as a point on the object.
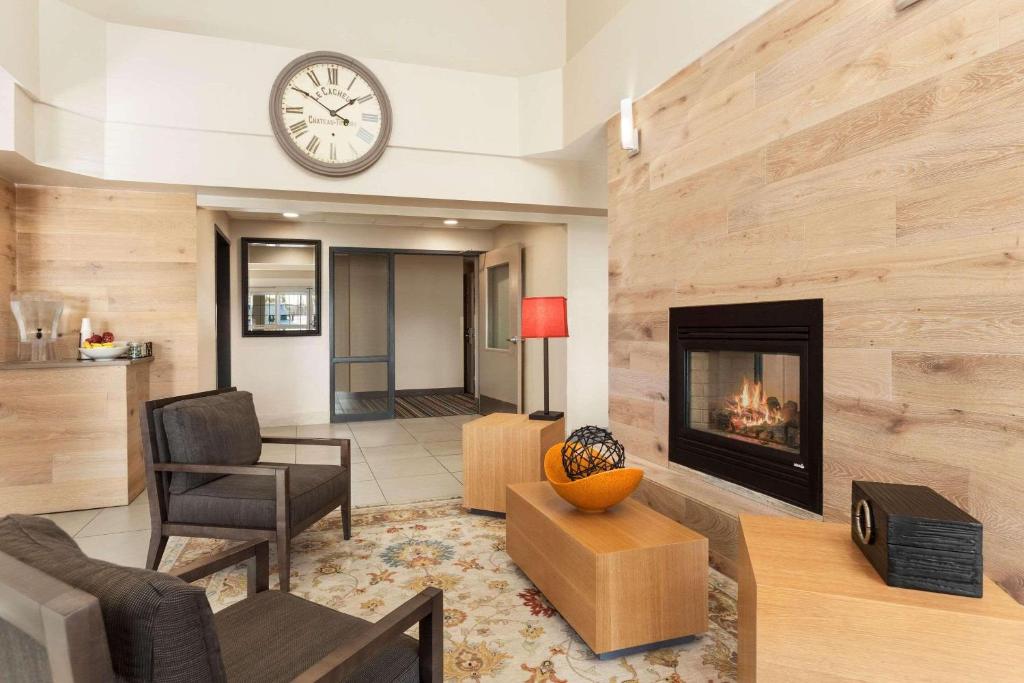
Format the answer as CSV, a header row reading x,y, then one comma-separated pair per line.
x,y
158,627
211,430
239,500
299,633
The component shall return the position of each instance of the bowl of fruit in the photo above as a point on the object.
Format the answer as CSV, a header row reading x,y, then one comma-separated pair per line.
x,y
103,347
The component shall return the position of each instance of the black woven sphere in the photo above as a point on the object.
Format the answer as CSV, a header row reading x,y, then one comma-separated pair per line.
x,y
590,450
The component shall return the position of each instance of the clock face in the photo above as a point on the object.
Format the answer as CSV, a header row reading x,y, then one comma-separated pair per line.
x,y
330,114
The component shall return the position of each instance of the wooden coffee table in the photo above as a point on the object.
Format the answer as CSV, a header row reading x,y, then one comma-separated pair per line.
x,y
626,579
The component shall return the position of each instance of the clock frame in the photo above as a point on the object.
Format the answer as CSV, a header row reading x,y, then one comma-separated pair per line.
x,y
280,128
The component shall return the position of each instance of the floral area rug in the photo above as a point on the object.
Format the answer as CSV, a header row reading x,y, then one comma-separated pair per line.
x,y
498,626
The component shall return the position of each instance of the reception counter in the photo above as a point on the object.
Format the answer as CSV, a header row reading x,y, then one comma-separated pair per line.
x,y
70,437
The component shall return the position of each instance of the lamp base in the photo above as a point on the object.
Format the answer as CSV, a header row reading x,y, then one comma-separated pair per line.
x,y
550,416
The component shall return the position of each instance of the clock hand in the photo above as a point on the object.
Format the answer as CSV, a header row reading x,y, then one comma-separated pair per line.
x,y
332,112
350,102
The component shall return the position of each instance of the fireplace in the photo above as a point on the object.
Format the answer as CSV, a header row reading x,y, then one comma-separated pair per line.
x,y
745,396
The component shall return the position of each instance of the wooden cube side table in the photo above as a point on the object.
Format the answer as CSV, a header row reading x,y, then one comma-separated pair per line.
x,y
813,609
626,579
501,449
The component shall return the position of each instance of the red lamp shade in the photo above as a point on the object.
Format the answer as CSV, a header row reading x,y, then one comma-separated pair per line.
x,y
544,316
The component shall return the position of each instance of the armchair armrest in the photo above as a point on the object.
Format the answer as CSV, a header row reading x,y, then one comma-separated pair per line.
x,y
304,440
261,470
279,472
344,444
425,608
256,552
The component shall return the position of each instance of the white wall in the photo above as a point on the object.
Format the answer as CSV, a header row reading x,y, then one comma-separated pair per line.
x,y
584,18
428,322
143,105
289,377
19,41
490,36
587,345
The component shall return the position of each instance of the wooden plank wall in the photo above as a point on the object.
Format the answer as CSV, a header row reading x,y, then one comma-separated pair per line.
x,y
125,259
8,272
838,149
69,438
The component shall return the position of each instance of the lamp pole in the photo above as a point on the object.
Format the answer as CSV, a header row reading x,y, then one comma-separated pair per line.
x,y
546,408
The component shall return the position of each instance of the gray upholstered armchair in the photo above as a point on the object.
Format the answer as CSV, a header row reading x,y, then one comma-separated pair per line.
x,y
204,477
67,618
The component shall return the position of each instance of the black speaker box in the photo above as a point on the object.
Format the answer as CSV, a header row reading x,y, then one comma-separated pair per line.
x,y
915,538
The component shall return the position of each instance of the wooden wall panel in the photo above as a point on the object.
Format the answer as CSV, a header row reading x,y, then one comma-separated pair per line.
x,y
842,150
70,437
8,271
127,260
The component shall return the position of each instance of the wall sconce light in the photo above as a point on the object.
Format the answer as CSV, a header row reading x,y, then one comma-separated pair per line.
x,y
630,136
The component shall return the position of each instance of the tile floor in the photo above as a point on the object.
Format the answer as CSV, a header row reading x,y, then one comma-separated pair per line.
x,y
393,462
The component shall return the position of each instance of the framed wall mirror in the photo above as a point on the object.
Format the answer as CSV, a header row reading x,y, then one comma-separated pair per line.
x,y
280,287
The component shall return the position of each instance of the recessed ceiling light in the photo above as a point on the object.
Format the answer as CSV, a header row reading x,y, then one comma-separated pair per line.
x,y
451,221
290,214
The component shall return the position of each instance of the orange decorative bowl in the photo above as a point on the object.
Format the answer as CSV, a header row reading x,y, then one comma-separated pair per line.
x,y
595,493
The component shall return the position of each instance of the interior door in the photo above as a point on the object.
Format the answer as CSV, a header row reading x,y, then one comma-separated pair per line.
x,y
500,348
362,336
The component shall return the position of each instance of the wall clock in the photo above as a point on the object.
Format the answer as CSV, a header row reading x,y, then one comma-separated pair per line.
x,y
330,114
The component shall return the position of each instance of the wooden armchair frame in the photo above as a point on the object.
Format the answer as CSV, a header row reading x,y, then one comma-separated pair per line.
x,y
63,620
68,622
425,609
158,476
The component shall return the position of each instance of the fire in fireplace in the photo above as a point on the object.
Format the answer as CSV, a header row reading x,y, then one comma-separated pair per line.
x,y
745,395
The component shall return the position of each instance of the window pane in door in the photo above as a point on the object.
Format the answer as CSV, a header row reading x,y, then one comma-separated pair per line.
x,y
360,388
499,314
360,305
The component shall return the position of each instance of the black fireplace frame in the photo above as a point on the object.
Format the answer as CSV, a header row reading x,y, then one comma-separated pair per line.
x,y
793,327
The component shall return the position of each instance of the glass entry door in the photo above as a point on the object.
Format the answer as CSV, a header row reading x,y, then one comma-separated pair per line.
x,y
362,335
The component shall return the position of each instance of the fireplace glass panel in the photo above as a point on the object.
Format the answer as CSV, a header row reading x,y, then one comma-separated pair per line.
x,y
748,396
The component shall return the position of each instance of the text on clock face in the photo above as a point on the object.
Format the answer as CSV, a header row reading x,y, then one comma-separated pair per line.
x,y
331,113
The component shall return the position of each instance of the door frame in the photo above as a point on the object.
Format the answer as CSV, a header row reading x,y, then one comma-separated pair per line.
x,y
390,358
222,305
470,265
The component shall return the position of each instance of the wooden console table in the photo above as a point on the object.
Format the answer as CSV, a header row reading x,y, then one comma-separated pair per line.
x,y
70,436
625,579
501,449
812,608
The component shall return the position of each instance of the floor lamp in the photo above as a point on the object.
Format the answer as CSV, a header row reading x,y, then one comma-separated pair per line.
x,y
545,317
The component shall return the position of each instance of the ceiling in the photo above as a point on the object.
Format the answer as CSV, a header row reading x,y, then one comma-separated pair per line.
x,y
490,36
377,220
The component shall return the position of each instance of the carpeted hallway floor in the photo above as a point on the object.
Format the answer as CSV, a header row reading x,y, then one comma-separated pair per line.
x,y
435,405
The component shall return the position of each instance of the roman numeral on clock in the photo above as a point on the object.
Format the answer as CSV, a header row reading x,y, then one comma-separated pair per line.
x,y
312,77
298,129
313,145
365,98
365,135
332,75
352,83
293,110
371,118
334,152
